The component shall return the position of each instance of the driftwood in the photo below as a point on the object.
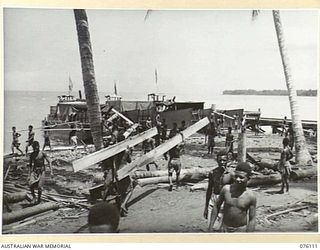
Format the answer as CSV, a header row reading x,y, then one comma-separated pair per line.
x,y
15,197
186,175
303,173
14,216
286,211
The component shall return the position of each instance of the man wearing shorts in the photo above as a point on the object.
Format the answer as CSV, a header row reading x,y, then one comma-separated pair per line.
x,y
174,164
30,138
15,141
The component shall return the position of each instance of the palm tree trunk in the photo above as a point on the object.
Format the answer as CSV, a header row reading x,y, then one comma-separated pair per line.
x,y
88,76
302,154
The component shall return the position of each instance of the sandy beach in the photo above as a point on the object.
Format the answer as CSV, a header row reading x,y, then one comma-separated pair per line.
x,y
153,209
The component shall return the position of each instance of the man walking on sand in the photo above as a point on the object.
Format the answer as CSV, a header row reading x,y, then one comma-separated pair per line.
x,y
239,203
30,138
284,165
174,163
15,141
210,134
37,170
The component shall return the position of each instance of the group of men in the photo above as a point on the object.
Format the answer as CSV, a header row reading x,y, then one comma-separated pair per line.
x,y
226,194
15,139
31,137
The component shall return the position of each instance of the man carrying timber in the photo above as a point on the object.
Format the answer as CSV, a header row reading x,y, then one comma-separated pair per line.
x,y
123,188
239,203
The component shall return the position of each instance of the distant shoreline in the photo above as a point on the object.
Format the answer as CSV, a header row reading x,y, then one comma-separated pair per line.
x,y
274,92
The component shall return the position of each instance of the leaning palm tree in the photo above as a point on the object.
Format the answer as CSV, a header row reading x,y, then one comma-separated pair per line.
x,y
88,77
303,156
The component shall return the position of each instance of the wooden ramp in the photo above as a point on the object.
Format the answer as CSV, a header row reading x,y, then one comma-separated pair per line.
x,y
277,122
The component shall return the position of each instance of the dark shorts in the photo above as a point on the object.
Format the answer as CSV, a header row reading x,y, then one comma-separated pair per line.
x,y
16,144
29,143
47,141
174,165
211,142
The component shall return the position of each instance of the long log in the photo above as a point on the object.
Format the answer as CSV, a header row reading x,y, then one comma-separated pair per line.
x,y
303,173
259,180
186,175
105,153
163,148
287,211
15,197
254,181
14,216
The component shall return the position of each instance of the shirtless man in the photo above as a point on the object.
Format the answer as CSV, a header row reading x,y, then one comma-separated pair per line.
x,y
174,163
15,141
239,203
30,138
214,184
229,140
284,165
210,133
46,136
37,170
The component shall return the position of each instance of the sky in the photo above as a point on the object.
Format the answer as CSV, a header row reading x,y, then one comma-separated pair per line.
x,y
196,52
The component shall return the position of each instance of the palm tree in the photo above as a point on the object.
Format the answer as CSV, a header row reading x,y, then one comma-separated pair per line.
x,y
303,156
88,77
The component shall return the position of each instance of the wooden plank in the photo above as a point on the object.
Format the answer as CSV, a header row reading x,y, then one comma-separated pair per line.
x,y
123,117
130,130
223,115
65,129
160,150
105,153
111,118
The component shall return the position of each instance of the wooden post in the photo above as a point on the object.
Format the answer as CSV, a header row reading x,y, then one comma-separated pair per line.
x,y
163,148
242,149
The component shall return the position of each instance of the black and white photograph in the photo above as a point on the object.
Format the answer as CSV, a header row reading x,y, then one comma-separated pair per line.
x,y
126,121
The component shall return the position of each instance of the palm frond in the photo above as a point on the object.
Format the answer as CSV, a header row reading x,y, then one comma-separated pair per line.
x,y
147,15
255,14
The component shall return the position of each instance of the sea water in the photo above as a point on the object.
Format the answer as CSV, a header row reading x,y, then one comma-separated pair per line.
x,y
24,108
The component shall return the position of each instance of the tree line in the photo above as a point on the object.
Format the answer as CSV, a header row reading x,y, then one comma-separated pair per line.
x,y
280,92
